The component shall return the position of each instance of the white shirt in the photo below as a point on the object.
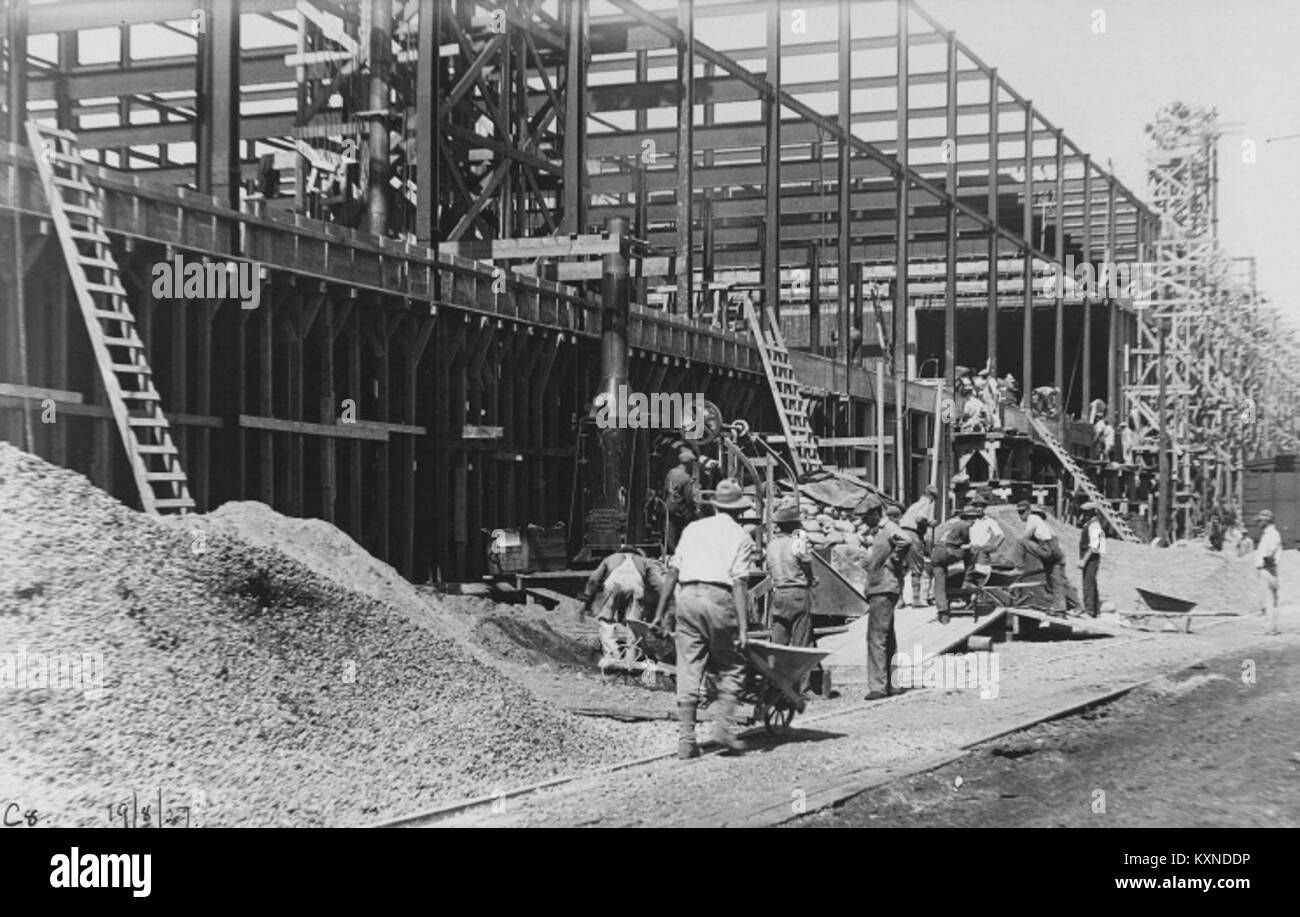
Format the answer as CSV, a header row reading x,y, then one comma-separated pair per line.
x,y
982,531
1037,528
714,549
1270,544
1096,537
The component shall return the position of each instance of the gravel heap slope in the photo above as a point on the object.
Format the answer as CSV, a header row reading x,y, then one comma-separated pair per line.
x,y
239,680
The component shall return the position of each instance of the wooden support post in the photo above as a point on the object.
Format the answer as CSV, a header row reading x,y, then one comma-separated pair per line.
x,y
271,304
199,468
326,408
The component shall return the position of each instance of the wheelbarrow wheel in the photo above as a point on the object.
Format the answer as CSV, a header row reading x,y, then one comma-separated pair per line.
x,y
777,713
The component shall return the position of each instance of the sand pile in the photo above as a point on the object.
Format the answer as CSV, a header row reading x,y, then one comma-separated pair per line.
x,y
1216,581
237,679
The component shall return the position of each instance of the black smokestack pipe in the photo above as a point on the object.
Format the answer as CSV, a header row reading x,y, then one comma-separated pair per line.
x,y
615,438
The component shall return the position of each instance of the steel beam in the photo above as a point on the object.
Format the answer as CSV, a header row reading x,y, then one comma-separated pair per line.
x,y
575,119
686,159
218,169
772,178
1027,223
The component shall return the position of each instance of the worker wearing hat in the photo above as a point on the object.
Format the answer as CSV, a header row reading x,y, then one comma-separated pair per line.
x,y
884,566
708,573
950,553
1092,547
789,564
679,498
1266,558
1039,551
916,523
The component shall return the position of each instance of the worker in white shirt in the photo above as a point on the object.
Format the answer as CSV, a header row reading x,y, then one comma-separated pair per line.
x,y
1092,546
1266,557
709,575
1039,550
986,536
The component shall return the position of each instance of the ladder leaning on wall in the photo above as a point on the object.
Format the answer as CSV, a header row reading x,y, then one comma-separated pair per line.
x,y
76,208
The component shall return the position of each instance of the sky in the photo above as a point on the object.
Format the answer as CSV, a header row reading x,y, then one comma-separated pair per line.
x,y
1240,57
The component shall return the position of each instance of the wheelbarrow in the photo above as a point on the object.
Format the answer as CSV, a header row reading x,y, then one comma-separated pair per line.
x,y
653,652
772,681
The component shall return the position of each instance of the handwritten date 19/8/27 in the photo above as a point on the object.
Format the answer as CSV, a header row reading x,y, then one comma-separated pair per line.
x,y
131,814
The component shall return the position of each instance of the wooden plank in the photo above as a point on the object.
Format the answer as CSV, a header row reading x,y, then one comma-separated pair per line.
x,y
40,393
306,428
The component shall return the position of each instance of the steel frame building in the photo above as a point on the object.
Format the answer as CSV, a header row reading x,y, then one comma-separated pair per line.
x,y
431,227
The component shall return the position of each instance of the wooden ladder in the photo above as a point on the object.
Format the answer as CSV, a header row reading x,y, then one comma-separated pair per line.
x,y
1082,481
77,210
790,407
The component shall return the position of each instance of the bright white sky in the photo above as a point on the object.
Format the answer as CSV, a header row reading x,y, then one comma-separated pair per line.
x,y
1240,57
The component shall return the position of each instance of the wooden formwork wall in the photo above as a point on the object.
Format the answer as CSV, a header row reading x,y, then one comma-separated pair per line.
x,y
341,403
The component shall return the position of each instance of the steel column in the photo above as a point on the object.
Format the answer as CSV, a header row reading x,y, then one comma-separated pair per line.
x,y
685,156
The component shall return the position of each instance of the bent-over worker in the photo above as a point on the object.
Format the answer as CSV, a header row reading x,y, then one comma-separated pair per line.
x,y
627,583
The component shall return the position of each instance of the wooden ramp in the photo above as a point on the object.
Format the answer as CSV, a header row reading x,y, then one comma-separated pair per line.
x,y
1079,624
913,627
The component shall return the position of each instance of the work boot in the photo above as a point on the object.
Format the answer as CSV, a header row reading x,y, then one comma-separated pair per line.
x,y
686,745
944,617
723,725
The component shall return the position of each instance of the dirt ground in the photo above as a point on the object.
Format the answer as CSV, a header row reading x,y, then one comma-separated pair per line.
x,y
1206,747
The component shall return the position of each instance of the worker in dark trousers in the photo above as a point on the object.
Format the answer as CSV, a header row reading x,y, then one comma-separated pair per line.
x,y
1039,551
951,546
679,498
1092,546
884,567
709,575
789,564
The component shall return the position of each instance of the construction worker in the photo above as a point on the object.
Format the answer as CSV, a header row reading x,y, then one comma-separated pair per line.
x,y
679,498
986,536
1039,551
951,546
627,583
789,564
884,567
708,575
916,523
1266,558
1092,547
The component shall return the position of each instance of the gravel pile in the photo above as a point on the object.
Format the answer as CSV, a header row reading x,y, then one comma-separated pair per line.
x,y
1216,581
238,680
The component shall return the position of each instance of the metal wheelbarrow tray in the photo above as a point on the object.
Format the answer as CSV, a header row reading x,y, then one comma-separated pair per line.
x,y
775,672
